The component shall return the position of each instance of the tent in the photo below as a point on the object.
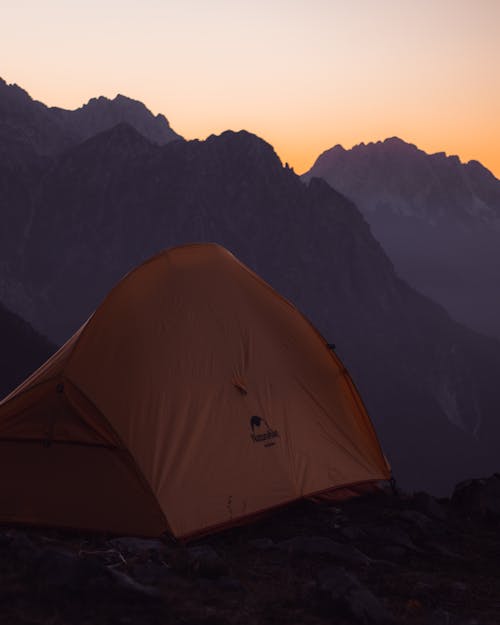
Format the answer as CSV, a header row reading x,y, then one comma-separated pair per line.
x,y
195,397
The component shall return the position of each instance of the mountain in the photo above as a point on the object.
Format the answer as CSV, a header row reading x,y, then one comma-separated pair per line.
x,y
437,218
32,126
100,114
108,203
23,350
32,138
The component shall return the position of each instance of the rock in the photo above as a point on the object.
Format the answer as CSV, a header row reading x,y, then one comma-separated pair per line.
x,y
384,567
150,573
222,584
262,544
366,607
393,552
322,545
416,520
339,591
391,535
424,591
200,561
479,498
230,584
18,546
206,561
352,533
456,591
136,546
441,550
123,582
441,617
430,506
335,581
433,590
413,607
56,570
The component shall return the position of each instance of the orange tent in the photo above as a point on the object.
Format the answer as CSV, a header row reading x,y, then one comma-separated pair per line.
x,y
194,397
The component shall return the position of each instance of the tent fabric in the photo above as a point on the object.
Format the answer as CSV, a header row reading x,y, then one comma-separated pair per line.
x,y
194,397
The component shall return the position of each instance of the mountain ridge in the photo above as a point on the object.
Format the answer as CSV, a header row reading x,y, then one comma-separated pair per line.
x,y
437,218
51,130
397,141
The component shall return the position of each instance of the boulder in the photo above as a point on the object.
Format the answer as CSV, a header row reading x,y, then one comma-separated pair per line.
x,y
57,570
341,592
391,535
262,544
136,546
415,520
199,561
150,573
479,498
134,590
18,547
321,545
430,506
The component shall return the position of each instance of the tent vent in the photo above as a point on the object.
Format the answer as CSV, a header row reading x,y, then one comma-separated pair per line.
x,y
240,385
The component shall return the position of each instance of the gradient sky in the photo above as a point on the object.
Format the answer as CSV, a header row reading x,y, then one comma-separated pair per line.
x,y
303,74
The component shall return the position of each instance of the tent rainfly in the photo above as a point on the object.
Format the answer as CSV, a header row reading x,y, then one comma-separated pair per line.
x,y
194,398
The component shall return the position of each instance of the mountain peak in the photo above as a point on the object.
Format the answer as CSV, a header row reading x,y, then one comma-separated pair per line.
x,y
390,144
481,171
248,146
118,143
51,130
101,113
438,218
396,141
119,100
12,96
243,137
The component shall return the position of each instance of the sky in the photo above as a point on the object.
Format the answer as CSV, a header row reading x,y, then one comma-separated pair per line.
x,y
302,74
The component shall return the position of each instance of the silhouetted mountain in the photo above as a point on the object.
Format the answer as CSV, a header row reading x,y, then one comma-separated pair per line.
x,y
30,125
100,114
109,203
438,219
27,125
22,350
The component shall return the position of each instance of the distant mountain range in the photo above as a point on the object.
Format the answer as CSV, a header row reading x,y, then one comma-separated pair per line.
x,y
437,218
32,126
80,217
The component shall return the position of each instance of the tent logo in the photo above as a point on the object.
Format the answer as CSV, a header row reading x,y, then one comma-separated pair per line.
x,y
262,432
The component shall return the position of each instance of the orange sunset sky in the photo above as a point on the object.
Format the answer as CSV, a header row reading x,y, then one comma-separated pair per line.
x,y
304,75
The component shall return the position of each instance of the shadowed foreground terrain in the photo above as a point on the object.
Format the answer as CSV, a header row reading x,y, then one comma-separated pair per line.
x,y
380,559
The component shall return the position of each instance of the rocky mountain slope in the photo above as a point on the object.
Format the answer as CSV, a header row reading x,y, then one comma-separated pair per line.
x,y
101,114
437,218
31,126
379,560
22,350
105,205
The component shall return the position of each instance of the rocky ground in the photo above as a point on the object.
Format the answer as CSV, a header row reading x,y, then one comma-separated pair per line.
x,y
382,559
